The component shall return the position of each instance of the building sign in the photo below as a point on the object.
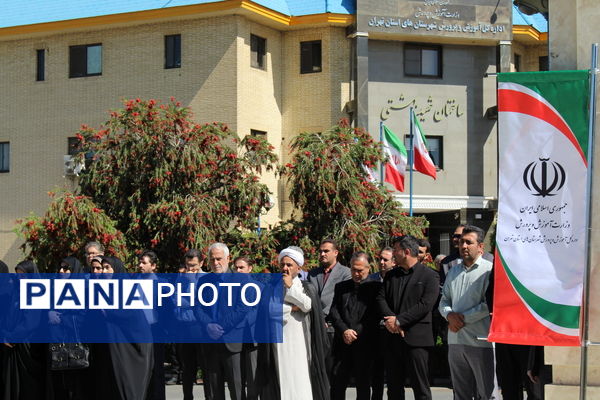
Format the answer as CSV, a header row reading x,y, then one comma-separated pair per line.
x,y
472,19
436,111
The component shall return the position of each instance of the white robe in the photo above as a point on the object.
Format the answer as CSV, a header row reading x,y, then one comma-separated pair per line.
x,y
293,353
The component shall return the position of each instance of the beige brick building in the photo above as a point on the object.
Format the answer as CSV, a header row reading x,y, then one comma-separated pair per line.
x,y
216,71
216,79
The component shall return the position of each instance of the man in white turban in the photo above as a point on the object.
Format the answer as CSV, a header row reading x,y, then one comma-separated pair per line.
x,y
300,358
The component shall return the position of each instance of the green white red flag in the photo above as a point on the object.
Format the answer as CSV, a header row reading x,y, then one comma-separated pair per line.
x,y
540,238
395,168
422,160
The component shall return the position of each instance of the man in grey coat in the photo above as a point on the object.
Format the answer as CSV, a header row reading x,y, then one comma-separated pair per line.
x,y
324,278
328,274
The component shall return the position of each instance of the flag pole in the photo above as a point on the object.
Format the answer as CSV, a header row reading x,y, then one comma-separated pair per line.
x,y
585,315
410,163
381,162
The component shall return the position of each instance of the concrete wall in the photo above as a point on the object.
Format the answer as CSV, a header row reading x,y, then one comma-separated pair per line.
x,y
571,34
572,30
469,139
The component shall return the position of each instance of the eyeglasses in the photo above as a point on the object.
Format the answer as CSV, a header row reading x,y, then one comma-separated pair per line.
x,y
456,236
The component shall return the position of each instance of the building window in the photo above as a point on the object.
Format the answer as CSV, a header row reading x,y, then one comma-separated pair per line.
x,y
40,71
543,63
73,146
85,60
258,51
173,51
256,132
422,60
310,57
517,62
435,146
4,156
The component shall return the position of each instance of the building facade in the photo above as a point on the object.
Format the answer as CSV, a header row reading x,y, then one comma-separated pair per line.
x,y
439,58
234,62
273,68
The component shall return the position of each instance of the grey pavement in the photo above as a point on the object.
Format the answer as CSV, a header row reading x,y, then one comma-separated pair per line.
x,y
439,393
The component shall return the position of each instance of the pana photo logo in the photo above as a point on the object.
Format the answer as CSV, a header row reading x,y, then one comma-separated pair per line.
x,y
74,294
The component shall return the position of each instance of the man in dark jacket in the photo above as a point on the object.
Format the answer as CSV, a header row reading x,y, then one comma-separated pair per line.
x,y
355,317
406,298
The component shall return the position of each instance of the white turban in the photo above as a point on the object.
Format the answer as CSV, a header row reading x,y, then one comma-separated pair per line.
x,y
292,253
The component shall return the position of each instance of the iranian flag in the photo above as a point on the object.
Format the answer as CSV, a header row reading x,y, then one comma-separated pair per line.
x,y
422,161
540,239
396,167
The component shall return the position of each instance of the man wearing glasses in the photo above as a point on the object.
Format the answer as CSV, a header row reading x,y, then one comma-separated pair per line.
x,y
92,249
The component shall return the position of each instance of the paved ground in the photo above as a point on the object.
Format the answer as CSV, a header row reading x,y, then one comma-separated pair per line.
x,y
439,393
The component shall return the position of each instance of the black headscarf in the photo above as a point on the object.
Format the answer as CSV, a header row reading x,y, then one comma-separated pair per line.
x,y
3,267
27,267
74,265
116,264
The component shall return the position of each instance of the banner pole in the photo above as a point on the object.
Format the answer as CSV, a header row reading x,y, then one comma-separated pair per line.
x,y
411,157
381,177
585,316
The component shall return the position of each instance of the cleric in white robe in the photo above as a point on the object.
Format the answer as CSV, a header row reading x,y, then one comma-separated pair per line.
x,y
299,370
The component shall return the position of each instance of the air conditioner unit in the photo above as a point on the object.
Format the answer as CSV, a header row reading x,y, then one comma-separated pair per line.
x,y
71,166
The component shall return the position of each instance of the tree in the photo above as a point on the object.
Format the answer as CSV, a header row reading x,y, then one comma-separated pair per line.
x,y
69,223
330,188
168,183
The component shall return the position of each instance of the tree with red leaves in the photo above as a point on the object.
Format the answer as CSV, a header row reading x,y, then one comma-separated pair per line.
x,y
165,182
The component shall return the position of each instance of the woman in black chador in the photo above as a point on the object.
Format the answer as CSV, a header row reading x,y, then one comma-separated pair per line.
x,y
23,364
66,384
121,370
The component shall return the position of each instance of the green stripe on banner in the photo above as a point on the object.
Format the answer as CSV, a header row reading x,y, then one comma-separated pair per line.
x,y
552,85
558,314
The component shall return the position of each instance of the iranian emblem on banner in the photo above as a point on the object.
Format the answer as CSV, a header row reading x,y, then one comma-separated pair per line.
x,y
540,240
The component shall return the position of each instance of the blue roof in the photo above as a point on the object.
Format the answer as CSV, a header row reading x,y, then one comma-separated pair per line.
x,y
26,12
537,21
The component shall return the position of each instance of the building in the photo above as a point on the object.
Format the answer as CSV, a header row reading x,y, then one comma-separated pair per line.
x,y
439,58
264,67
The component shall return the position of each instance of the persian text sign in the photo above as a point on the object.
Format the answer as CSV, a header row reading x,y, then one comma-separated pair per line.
x,y
472,19
141,308
540,252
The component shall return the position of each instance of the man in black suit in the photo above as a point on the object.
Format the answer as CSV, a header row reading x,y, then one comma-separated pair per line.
x,y
405,300
355,317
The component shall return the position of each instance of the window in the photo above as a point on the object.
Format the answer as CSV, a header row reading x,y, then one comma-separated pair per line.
x,y
310,57
40,71
435,146
4,156
517,62
85,60
543,63
256,132
173,51
73,146
258,50
421,60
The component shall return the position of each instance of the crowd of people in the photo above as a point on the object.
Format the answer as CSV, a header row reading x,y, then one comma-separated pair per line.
x,y
340,323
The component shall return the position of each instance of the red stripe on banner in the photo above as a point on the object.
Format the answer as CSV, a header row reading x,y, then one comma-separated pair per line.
x,y
514,101
513,323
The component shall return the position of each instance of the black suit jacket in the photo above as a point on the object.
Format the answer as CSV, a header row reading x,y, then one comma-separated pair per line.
x,y
411,306
365,318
